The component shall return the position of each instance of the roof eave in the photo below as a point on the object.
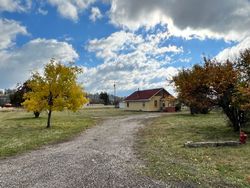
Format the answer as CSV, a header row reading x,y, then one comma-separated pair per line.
x,y
137,100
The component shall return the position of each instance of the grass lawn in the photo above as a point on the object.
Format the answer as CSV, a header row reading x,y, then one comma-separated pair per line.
x,y
160,145
20,131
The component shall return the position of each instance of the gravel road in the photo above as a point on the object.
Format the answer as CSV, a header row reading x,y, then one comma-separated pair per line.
x,y
102,156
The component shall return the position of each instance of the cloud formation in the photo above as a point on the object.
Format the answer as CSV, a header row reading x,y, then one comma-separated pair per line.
x,y
227,19
15,5
17,64
9,29
95,14
131,61
42,11
233,52
71,9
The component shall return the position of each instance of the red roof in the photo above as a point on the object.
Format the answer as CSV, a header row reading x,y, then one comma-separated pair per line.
x,y
144,94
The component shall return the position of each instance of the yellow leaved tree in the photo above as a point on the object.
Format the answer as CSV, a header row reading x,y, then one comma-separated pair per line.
x,y
56,90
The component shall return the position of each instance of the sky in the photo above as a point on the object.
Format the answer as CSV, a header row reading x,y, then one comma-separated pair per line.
x,y
134,44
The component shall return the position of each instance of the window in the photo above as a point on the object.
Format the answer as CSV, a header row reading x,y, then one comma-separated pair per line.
x,y
143,104
155,102
128,104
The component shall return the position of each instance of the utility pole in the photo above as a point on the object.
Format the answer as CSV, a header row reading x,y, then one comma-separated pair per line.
x,y
114,94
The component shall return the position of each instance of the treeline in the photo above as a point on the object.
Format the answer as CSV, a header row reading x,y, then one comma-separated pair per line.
x,y
15,97
104,98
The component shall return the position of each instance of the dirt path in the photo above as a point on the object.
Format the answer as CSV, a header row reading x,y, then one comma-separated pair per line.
x,y
103,156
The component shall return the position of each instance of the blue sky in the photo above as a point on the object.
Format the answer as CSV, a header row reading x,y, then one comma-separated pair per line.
x,y
136,44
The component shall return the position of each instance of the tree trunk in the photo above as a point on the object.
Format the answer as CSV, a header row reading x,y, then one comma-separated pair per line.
x,y
37,114
49,117
234,114
193,110
50,103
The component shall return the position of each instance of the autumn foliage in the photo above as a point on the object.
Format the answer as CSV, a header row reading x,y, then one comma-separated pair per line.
x,y
224,84
56,90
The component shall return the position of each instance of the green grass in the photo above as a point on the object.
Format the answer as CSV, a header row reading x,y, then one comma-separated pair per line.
x,y
20,131
160,145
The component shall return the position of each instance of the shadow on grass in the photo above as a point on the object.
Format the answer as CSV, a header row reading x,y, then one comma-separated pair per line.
x,y
25,119
185,115
216,133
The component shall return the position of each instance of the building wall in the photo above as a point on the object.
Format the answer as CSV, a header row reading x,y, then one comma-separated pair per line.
x,y
152,106
148,105
4,99
136,106
122,105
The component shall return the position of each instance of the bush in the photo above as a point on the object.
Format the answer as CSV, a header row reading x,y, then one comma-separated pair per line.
x,y
197,110
178,107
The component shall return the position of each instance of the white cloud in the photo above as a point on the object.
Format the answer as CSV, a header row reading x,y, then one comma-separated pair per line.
x,y
9,29
16,65
131,60
233,52
227,19
108,47
15,5
95,14
185,60
122,41
127,76
71,9
42,11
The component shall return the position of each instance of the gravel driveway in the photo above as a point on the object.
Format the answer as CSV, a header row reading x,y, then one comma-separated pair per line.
x,y
103,156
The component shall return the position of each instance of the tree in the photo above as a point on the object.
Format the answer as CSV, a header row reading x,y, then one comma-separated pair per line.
x,y
17,98
243,66
56,90
193,92
105,97
211,84
235,100
224,84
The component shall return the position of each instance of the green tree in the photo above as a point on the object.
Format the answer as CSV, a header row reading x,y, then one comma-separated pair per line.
x,y
56,90
16,98
105,97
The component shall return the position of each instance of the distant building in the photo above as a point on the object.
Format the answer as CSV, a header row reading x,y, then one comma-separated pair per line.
x,y
9,91
5,96
122,105
150,100
4,99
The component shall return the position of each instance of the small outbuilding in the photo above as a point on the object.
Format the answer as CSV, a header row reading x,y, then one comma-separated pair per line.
x,y
150,100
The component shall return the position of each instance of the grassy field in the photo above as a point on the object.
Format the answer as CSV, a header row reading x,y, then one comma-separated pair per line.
x,y
20,131
160,145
